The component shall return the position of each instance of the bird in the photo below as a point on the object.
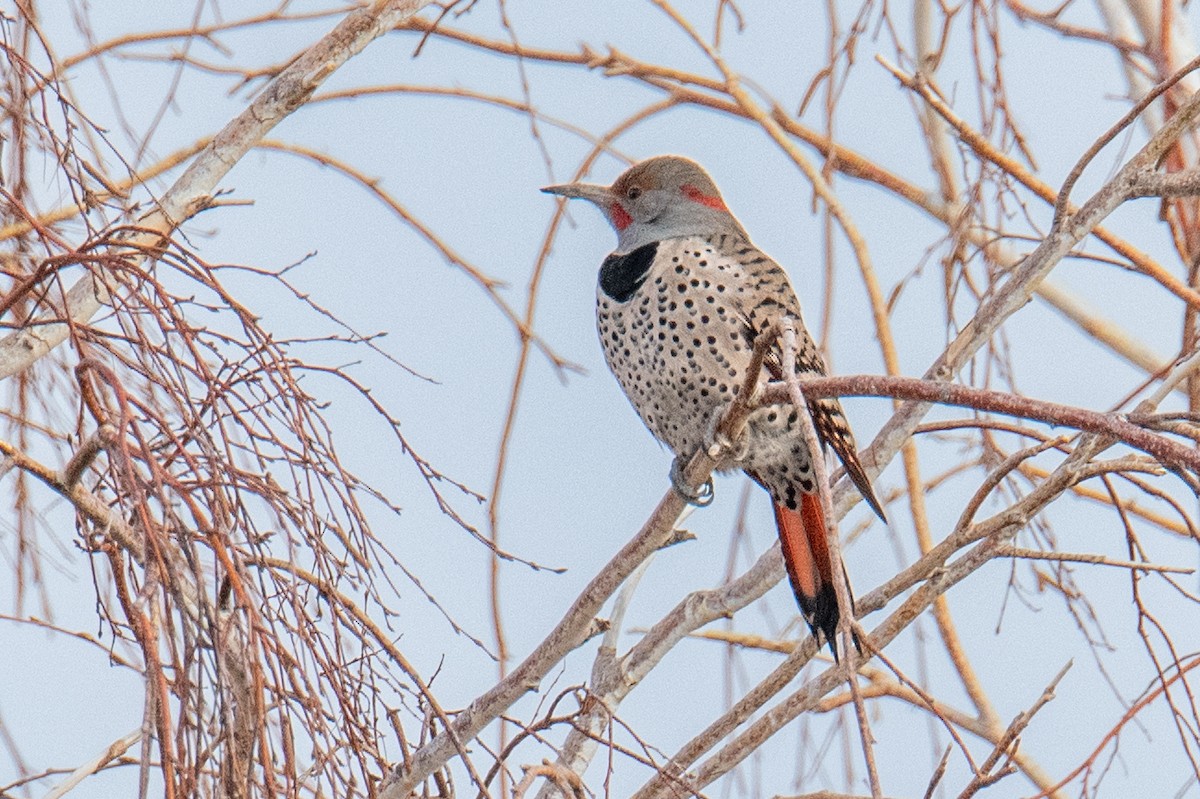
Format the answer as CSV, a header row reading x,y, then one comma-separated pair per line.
x,y
680,303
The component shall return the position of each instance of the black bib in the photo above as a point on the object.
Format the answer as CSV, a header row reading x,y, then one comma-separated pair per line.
x,y
621,275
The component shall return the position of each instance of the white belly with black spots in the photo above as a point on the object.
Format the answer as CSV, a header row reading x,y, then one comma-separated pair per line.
x,y
673,335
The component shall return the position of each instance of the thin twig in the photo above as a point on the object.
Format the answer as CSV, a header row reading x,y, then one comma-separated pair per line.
x,y
191,191
1099,560
986,775
112,751
787,336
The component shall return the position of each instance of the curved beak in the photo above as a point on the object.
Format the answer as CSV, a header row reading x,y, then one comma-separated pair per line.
x,y
592,192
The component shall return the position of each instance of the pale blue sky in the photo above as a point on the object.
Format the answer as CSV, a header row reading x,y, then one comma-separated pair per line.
x,y
583,473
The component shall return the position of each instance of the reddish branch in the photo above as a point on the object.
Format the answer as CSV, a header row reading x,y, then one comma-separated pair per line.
x,y
1112,735
1119,426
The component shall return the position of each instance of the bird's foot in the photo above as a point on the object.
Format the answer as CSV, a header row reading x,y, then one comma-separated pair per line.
x,y
701,496
721,447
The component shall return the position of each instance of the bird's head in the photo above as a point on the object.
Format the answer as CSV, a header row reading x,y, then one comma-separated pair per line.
x,y
659,198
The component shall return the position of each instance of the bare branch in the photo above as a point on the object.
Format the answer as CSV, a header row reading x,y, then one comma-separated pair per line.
x,y
1118,426
191,193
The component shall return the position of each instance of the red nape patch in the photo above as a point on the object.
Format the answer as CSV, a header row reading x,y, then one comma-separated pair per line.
x,y
697,196
620,217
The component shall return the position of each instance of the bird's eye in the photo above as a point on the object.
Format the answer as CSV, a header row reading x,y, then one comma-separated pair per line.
x,y
634,192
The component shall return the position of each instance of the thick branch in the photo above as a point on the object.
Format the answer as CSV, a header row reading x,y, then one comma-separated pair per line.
x,y
1176,184
574,627
934,576
87,504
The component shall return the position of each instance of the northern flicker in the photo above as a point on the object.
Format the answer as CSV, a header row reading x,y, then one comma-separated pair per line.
x,y
679,305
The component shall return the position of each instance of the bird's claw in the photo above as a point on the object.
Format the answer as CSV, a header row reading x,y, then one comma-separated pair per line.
x,y
733,450
721,446
701,496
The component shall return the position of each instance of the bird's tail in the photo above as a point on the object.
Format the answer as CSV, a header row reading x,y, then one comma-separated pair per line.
x,y
810,565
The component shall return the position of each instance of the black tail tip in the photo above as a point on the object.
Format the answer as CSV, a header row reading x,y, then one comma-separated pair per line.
x,y
831,639
822,614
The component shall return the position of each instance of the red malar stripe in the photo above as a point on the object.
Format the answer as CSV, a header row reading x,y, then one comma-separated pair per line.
x,y
620,217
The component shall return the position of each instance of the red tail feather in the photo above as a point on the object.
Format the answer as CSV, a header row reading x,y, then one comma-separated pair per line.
x,y
809,565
